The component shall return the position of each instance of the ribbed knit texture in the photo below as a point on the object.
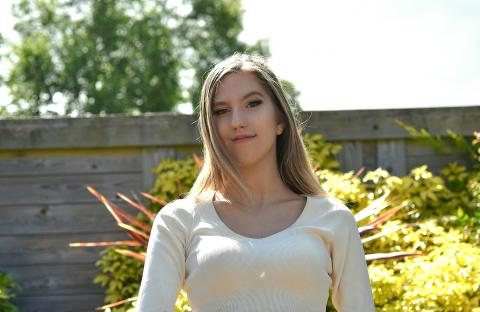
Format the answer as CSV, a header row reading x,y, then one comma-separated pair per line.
x,y
220,270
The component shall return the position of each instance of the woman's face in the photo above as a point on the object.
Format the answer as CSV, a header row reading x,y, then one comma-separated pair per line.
x,y
242,106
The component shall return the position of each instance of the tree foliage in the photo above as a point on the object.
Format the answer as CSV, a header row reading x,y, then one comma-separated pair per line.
x,y
118,56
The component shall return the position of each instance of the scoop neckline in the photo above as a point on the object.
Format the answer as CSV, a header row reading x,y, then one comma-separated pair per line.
x,y
233,233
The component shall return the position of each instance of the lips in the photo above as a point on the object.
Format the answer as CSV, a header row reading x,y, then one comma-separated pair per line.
x,y
243,138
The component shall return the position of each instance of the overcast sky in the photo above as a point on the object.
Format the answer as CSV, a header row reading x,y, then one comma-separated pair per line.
x,y
366,54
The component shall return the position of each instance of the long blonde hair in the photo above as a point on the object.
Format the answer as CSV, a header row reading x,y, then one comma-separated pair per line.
x,y
292,157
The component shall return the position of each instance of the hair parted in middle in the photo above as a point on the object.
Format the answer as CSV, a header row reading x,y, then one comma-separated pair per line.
x,y
292,157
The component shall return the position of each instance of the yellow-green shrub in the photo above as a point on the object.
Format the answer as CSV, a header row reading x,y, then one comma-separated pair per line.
x,y
397,285
446,279
321,153
174,177
119,276
346,187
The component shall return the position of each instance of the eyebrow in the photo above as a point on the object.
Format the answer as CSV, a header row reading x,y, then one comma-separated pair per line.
x,y
243,98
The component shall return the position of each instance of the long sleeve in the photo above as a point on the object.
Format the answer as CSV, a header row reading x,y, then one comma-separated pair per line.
x,y
351,288
164,269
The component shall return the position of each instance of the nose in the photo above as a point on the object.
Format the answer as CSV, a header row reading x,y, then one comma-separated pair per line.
x,y
238,118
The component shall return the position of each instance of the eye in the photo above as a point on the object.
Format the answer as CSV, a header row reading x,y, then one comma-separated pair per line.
x,y
254,103
219,112
251,103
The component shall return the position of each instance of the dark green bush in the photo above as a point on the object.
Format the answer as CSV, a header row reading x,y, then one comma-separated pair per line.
x,y
8,291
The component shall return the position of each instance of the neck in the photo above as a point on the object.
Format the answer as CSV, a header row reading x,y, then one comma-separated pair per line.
x,y
266,186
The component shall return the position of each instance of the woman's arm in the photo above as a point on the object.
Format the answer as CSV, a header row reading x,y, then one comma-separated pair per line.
x,y
164,270
351,288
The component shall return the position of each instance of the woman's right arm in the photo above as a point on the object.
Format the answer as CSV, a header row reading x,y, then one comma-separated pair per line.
x,y
164,269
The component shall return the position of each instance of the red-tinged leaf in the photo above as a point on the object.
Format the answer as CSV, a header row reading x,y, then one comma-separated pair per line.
x,y
118,303
105,201
363,230
94,192
127,217
138,201
136,237
386,232
198,161
132,220
179,186
112,209
392,255
359,172
387,214
375,207
139,207
155,199
97,244
129,253
132,229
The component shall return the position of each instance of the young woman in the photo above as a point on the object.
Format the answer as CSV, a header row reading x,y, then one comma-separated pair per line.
x,y
256,231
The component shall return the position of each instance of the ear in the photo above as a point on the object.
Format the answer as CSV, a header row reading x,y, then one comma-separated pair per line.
x,y
279,129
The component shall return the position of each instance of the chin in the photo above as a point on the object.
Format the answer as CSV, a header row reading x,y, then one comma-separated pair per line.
x,y
244,164
249,161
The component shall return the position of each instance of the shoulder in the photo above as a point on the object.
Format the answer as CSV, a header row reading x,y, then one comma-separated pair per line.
x,y
333,211
181,210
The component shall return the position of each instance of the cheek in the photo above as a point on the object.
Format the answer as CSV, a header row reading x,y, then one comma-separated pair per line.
x,y
223,134
221,129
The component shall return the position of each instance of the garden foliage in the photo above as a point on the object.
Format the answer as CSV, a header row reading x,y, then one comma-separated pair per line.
x,y
437,217
8,291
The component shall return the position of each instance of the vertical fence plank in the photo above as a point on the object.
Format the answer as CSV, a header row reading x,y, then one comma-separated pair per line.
x,y
391,156
351,156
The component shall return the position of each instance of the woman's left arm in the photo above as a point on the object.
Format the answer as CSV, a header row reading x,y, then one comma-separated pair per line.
x,y
351,288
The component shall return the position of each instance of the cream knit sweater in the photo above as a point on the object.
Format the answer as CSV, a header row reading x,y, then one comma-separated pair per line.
x,y
191,248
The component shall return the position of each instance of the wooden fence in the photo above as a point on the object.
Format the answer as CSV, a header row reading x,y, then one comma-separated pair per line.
x,y
45,165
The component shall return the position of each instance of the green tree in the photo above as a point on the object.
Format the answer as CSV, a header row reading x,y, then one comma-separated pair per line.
x,y
3,109
213,39
118,56
293,93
